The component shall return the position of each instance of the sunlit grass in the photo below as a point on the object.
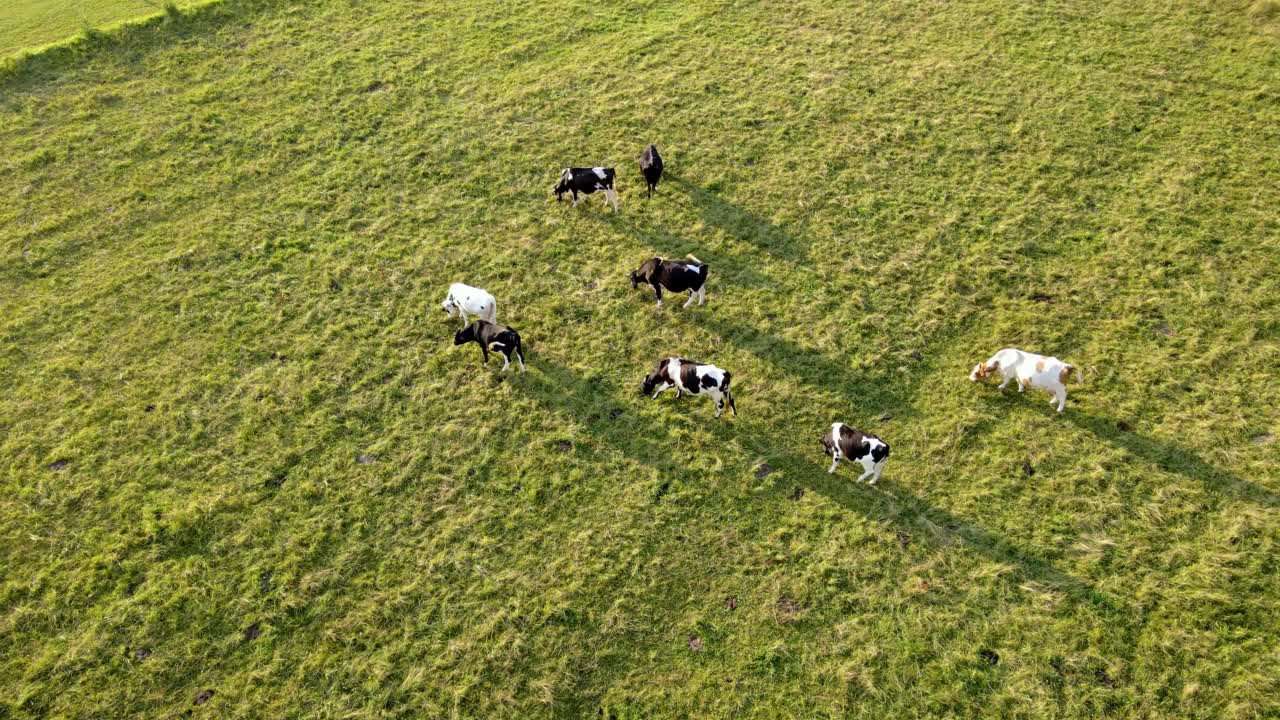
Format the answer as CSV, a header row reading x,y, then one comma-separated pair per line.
x,y
30,24
240,452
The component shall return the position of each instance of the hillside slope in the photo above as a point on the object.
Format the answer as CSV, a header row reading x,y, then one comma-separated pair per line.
x,y
240,452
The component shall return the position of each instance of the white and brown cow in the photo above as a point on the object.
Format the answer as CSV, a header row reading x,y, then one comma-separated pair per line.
x,y
842,441
1032,371
695,378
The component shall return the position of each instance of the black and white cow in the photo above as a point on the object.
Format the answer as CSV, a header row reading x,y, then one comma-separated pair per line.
x,y
870,451
587,181
687,376
674,275
491,336
651,167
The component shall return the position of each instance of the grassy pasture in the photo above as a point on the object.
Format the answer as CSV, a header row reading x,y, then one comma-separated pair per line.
x,y
240,453
33,23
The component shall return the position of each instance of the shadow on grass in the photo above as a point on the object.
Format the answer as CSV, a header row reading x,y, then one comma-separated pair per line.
x,y
737,272
895,503
873,392
1172,458
604,413
608,416
739,223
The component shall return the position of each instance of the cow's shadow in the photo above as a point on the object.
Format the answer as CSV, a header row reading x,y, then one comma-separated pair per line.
x,y
740,223
892,502
733,268
612,419
1172,458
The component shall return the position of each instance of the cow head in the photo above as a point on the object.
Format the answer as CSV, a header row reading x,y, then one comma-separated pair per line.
x,y
563,186
450,306
641,275
465,335
650,382
981,370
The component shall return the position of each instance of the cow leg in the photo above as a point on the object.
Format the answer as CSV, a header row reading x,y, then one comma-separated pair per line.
x,y
657,290
506,354
692,296
1060,396
612,196
835,459
702,294
875,476
1006,382
521,359
665,387
485,351
863,476
575,197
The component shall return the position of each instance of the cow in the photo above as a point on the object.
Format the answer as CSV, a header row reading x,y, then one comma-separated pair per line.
x,y
1032,371
842,441
695,378
674,275
463,299
490,336
651,167
587,181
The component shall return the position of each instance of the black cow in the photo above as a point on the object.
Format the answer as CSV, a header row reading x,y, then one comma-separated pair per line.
x,y
587,181
491,336
674,275
842,441
651,167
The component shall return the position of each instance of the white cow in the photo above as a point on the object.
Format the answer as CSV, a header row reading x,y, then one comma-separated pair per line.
x,y
463,299
869,451
1032,371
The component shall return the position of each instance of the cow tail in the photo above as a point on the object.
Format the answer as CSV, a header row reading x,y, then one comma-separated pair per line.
x,y
729,394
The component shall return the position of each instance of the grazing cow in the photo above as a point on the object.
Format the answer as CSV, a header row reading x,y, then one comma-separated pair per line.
x,y
868,450
651,167
687,376
587,181
489,336
1032,371
674,275
463,299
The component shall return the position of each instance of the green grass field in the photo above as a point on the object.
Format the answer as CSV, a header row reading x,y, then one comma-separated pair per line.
x,y
240,453
25,24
